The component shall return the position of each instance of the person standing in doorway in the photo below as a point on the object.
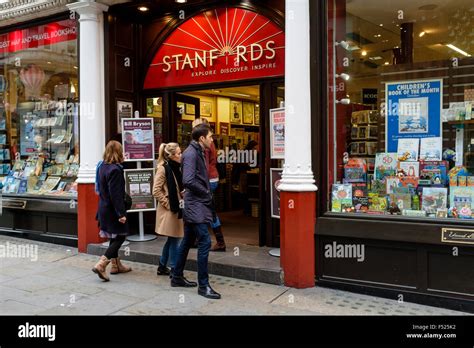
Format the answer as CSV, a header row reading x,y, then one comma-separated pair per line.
x,y
211,161
198,212
112,213
168,190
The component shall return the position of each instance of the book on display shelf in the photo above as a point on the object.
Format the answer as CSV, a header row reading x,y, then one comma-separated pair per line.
x,y
434,198
408,149
385,165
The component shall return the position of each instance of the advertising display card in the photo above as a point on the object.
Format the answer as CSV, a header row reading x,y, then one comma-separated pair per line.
x,y
400,200
359,190
385,165
413,213
391,183
277,133
379,187
434,198
360,204
434,171
460,196
138,139
431,149
409,181
377,203
409,168
341,196
139,185
470,181
413,110
50,183
23,186
355,170
124,110
408,149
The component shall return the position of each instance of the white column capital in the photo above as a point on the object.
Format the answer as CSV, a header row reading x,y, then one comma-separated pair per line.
x,y
297,174
88,10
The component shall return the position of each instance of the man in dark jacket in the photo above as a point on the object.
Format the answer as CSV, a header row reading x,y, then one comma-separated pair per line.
x,y
198,212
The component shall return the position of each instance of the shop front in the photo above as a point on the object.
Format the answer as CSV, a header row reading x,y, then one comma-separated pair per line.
x,y
39,133
393,127
221,63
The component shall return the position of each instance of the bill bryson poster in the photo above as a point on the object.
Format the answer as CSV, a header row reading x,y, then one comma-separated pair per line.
x,y
139,185
137,139
413,110
277,133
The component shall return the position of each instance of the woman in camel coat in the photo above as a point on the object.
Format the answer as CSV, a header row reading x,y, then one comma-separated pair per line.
x,y
167,189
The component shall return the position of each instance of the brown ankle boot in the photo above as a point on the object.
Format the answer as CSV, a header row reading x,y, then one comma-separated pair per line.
x,y
119,267
100,268
220,245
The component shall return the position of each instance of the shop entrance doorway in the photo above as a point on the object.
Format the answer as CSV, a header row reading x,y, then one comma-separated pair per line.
x,y
236,115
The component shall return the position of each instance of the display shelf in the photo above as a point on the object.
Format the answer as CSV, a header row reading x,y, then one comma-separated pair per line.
x,y
454,123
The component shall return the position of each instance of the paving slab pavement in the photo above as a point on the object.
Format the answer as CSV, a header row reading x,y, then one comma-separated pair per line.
x,y
60,282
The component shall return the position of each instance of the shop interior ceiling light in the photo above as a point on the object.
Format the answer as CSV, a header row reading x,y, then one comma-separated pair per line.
x,y
422,34
345,101
181,1
343,76
457,49
240,94
143,8
343,44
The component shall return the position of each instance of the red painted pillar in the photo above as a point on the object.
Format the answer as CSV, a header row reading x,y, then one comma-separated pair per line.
x,y
87,228
298,218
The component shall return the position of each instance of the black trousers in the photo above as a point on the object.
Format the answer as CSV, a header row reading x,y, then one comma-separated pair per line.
x,y
114,246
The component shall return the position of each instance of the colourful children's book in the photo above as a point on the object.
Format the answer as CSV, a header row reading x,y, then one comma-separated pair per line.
x,y
434,198
385,165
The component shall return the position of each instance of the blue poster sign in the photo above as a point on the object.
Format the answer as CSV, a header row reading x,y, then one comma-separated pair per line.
x,y
413,110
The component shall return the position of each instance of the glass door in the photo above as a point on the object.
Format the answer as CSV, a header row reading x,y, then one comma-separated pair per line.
x,y
154,109
187,110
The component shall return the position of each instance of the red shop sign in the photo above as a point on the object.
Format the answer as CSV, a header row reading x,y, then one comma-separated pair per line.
x,y
39,36
224,44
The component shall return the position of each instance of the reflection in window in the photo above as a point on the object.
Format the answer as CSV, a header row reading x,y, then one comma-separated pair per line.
x,y
401,119
39,149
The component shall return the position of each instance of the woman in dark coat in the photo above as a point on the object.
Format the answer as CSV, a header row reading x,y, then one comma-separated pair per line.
x,y
112,214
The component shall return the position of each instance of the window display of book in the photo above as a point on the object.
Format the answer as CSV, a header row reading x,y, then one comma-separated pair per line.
x,y
409,188
38,177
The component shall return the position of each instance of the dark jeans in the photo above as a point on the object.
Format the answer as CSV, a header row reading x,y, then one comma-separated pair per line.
x,y
213,186
170,251
114,246
200,233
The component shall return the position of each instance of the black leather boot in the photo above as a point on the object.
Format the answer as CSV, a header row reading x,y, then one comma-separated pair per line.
x,y
162,270
208,292
182,282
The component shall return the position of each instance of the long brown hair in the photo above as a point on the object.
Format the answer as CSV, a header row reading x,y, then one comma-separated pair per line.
x,y
113,152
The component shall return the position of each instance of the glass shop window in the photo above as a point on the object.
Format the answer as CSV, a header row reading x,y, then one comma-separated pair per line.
x,y
39,133
401,108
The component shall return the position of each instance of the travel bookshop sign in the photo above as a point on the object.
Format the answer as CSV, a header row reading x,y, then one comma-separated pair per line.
x,y
219,45
413,110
